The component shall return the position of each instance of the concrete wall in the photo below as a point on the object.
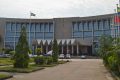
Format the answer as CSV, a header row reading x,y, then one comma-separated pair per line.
x,y
2,25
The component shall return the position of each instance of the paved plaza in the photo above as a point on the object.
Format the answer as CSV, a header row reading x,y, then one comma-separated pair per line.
x,y
78,69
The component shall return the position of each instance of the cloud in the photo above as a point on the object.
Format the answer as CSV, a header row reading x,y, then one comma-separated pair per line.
x,y
56,8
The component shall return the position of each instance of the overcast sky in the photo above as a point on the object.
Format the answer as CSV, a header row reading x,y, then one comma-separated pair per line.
x,y
55,8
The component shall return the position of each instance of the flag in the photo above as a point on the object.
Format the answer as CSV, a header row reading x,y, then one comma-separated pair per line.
x,y
117,19
118,10
32,14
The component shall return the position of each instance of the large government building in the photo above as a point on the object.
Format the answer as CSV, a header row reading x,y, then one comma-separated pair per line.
x,y
75,35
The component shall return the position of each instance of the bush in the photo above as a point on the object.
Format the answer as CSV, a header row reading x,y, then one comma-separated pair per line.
x,y
49,60
40,60
113,63
55,49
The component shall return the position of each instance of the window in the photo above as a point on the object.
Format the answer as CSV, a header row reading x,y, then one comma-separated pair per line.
x,y
106,24
39,35
48,35
87,34
107,32
77,34
18,28
90,26
100,25
42,27
9,39
85,26
80,27
13,27
75,27
18,34
8,27
98,33
46,27
95,25
9,34
51,27
37,28
32,35
32,29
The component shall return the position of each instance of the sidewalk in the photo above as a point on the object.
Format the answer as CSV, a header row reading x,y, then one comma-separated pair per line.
x,y
80,69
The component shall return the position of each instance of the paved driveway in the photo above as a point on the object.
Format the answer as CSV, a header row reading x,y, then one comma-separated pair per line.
x,y
79,69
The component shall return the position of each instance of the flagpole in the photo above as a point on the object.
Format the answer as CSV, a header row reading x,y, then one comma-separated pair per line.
x,y
114,25
118,22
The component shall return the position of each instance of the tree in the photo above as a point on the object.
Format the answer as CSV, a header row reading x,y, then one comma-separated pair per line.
x,y
21,57
55,49
106,46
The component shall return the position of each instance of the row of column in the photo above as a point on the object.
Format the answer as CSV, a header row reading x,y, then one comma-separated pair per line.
x,y
62,49
77,49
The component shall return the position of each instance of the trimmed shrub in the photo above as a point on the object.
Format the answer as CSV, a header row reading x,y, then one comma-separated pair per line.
x,y
55,49
113,63
21,57
40,60
49,60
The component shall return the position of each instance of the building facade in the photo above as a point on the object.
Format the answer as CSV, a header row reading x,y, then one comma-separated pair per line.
x,y
75,35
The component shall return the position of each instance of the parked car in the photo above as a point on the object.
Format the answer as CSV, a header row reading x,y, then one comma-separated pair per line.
x,y
5,55
83,56
61,56
31,55
68,56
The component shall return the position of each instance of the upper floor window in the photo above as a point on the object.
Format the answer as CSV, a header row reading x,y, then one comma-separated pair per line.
x,y
50,27
85,26
80,27
75,27
8,27
95,25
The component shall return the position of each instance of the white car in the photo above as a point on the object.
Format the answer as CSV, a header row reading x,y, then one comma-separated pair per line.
x,y
68,56
83,57
61,56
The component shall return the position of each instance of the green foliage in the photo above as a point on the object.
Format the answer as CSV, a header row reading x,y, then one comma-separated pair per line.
x,y
38,51
21,57
106,45
49,60
55,49
40,60
110,52
43,60
6,51
30,51
112,60
20,70
6,61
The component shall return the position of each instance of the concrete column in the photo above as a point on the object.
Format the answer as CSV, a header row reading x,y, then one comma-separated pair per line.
x,y
62,49
77,49
46,48
67,49
41,48
72,50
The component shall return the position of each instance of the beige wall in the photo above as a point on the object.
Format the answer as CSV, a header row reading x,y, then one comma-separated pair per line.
x,y
63,28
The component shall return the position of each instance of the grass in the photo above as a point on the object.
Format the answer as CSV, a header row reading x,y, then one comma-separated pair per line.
x,y
21,70
5,76
6,61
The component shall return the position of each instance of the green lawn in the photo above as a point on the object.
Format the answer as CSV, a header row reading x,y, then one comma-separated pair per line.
x,y
6,61
5,76
20,70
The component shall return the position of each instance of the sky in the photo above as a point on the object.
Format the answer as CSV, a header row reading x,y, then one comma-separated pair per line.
x,y
55,8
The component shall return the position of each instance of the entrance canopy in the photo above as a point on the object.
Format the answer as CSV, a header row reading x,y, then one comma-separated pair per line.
x,y
63,42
